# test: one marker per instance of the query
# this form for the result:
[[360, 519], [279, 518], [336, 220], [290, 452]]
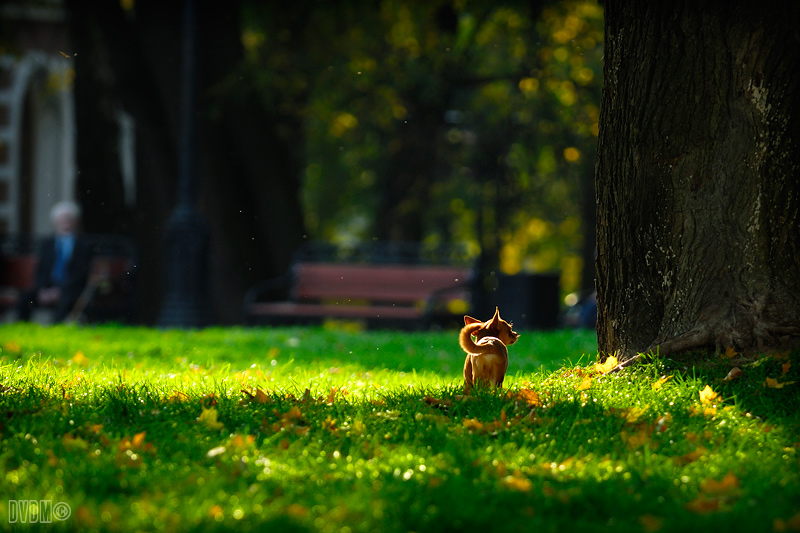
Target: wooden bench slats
[[406, 284], [307, 310], [372, 292]]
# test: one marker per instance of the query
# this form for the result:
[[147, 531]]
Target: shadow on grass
[[767, 388]]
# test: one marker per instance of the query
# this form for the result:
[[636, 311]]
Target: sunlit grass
[[311, 429]]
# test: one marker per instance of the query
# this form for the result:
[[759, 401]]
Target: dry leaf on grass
[[606, 366], [585, 384], [726, 486], [259, 396], [529, 396], [651, 523], [708, 396], [730, 353], [733, 374], [517, 482], [209, 418], [657, 385], [775, 384], [437, 402]]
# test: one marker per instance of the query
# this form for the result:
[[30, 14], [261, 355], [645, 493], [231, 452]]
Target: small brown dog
[[487, 355]]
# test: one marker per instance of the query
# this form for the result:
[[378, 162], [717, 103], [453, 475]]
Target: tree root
[[692, 340], [701, 339]]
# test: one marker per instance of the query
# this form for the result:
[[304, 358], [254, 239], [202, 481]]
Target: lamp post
[[186, 301]]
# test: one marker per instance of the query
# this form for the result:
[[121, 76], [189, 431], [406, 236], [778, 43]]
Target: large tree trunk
[[698, 177]]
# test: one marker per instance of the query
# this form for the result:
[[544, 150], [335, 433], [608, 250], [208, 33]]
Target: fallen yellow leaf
[[707, 396], [657, 384], [330, 424], [437, 402], [73, 443], [209, 418], [517, 482], [790, 524], [12, 347], [472, 423], [178, 396], [261, 396], [358, 426], [585, 384], [240, 441], [727, 485], [781, 356], [530, 396], [607, 365], [630, 414], [691, 456], [651, 523], [80, 359], [704, 411], [703, 504], [293, 413], [637, 439], [785, 367], [730, 353], [775, 384], [297, 511], [138, 439], [334, 392], [52, 460]]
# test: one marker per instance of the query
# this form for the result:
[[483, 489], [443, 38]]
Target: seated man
[[63, 266]]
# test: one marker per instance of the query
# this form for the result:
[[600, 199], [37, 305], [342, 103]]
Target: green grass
[[299, 429]]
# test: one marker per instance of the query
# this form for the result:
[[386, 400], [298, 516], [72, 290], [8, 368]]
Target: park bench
[[381, 284], [110, 292]]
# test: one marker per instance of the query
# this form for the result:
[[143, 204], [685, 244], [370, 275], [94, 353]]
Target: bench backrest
[[18, 271], [401, 284]]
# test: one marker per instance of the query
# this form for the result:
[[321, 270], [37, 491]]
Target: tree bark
[[698, 177]]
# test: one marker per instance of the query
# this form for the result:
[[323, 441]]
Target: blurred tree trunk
[[104, 84], [698, 177], [409, 174], [248, 175]]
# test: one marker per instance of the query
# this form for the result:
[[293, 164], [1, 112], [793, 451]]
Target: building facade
[[37, 116]]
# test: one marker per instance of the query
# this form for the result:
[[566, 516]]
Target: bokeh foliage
[[469, 122]]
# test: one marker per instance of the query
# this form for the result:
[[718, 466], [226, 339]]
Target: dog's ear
[[496, 318], [469, 320]]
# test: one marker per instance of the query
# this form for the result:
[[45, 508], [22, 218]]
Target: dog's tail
[[465, 337]]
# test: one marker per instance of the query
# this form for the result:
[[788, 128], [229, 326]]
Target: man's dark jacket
[[75, 277]]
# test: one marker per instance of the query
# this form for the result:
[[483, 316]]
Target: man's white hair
[[66, 207]]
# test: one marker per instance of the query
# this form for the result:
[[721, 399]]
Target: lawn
[[113, 428]]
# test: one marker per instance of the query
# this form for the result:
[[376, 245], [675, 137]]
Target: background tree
[[453, 122], [697, 177], [128, 57], [469, 123]]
